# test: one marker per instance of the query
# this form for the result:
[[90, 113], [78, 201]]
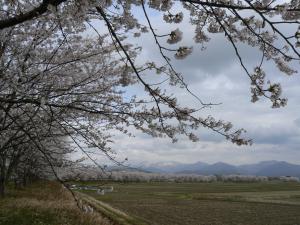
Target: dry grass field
[[270, 203], [44, 203]]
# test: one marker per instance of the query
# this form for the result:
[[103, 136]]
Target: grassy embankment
[[44, 203]]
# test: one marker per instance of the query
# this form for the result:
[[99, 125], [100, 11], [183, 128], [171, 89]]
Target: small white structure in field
[[100, 192], [110, 189]]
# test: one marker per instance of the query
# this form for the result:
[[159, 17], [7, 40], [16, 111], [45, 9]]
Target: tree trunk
[[24, 181], [2, 176], [2, 186]]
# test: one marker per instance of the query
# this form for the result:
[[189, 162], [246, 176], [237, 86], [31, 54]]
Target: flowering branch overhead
[[56, 81]]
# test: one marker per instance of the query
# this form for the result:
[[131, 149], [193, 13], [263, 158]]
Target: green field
[[270, 203]]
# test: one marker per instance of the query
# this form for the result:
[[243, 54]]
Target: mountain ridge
[[263, 168]]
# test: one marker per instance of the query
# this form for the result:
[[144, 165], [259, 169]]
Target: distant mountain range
[[265, 168]]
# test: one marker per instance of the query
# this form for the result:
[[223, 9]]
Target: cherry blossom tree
[[56, 78]]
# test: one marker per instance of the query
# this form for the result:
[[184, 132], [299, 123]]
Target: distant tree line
[[130, 176]]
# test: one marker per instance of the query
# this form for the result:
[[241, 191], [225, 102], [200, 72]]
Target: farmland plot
[[274, 203]]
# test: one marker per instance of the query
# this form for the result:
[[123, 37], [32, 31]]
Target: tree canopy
[[58, 82]]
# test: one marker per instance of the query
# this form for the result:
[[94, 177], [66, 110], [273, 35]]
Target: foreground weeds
[[45, 203]]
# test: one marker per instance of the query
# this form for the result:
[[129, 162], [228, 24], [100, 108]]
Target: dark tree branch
[[237, 7], [23, 17]]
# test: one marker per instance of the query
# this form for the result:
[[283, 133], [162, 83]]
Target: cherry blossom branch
[[23, 17], [238, 7]]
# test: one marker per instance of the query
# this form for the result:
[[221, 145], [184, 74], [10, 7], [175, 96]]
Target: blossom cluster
[[183, 52], [170, 18], [175, 36]]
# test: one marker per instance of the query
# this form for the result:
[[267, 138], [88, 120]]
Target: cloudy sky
[[215, 75]]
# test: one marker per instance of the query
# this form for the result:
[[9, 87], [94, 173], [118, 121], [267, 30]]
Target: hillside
[[265, 168]]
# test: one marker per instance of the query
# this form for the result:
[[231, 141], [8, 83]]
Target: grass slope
[[44, 203]]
